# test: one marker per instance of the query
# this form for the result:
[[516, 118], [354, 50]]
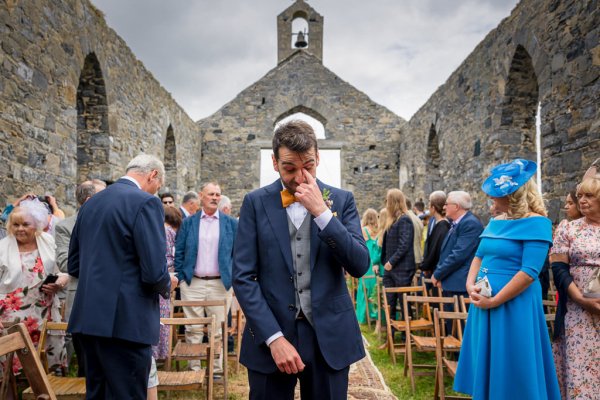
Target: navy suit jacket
[[263, 278], [117, 251], [186, 247], [458, 250]]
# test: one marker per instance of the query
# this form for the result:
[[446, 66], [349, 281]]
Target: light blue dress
[[506, 352]]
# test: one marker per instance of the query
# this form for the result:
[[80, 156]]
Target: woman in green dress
[[370, 228]]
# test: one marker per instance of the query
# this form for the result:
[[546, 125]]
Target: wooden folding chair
[[422, 306], [366, 296], [64, 387], [463, 301], [189, 380], [434, 291], [238, 321], [182, 349], [18, 342], [444, 344], [399, 325]]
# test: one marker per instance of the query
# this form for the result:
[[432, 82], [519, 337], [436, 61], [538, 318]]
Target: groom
[[291, 251]]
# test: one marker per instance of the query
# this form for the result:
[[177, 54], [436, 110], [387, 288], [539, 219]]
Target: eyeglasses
[[168, 202]]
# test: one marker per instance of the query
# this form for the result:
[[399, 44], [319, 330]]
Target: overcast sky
[[398, 52]]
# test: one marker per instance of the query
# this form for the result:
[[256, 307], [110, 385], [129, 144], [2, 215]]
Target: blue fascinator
[[507, 178]]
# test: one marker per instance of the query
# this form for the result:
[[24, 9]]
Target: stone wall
[[366, 133], [76, 103], [546, 51]]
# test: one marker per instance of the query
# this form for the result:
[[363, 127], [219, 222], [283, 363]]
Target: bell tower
[[299, 28]]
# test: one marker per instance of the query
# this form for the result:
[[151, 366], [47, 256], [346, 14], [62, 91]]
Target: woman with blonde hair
[[506, 350], [397, 253], [370, 228], [576, 267]]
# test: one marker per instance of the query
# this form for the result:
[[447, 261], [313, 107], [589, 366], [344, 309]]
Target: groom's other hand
[[286, 357]]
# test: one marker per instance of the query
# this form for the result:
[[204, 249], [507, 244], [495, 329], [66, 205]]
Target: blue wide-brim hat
[[507, 178]]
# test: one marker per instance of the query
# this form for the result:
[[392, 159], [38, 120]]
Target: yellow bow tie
[[287, 198]]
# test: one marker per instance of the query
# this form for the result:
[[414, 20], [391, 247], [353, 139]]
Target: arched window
[[170, 160], [93, 141], [317, 125]]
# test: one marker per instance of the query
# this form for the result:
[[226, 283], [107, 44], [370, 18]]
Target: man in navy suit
[[117, 251], [292, 248], [459, 246], [203, 257]]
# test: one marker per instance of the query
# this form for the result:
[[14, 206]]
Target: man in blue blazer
[[459, 246], [117, 250], [203, 257], [292, 249]]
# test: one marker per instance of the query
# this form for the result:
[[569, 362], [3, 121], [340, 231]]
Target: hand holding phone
[[49, 279]]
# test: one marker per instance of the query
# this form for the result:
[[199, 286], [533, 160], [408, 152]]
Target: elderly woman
[[26, 261], [370, 228], [506, 352], [575, 263]]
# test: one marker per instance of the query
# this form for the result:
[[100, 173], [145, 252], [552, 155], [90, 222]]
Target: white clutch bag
[[484, 285]]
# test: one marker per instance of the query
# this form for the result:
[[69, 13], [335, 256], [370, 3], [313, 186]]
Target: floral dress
[[577, 353], [27, 304], [161, 350]]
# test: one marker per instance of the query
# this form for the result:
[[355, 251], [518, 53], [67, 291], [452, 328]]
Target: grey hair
[[461, 198], [146, 163], [36, 210], [191, 195], [224, 202], [83, 191]]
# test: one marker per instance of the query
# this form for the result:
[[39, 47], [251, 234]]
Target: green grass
[[394, 374]]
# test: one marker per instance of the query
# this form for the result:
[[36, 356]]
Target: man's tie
[[287, 198]]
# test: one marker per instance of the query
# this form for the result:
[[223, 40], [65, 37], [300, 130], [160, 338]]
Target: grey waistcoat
[[300, 242]]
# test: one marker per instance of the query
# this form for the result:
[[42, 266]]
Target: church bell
[[300, 41]]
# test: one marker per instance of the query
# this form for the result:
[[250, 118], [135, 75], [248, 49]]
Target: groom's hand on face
[[309, 195], [286, 357]]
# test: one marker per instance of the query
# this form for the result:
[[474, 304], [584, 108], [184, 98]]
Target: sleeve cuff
[[323, 219], [272, 338]]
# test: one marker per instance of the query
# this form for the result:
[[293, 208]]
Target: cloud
[[206, 52]]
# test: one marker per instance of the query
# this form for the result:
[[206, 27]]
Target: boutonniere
[[327, 200]]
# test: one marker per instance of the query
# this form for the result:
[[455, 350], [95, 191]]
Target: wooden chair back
[[190, 380], [444, 345], [64, 387], [393, 324], [18, 342], [422, 323]]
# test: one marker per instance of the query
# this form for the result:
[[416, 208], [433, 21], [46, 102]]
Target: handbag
[[592, 289]]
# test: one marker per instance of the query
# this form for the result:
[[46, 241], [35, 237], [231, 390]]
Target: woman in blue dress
[[506, 352]]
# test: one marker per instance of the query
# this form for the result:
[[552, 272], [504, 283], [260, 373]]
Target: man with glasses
[[167, 199], [459, 246]]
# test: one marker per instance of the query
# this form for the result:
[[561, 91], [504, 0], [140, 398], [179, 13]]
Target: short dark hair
[[166, 194], [408, 204], [83, 191], [173, 217], [191, 195], [420, 205], [296, 135]]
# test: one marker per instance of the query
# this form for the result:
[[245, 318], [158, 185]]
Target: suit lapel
[[314, 238], [196, 229], [278, 219]]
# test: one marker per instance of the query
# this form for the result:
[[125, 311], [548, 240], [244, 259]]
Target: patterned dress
[[161, 350], [27, 304], [577, 353]]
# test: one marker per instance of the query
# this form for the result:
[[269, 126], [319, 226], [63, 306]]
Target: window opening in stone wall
[[93, 141], [518, 118], [317, 126], [433, 163], [538, 145], [170, 160], [299, 33], [329, 170]]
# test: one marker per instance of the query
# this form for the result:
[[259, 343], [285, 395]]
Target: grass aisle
[[394, 374]]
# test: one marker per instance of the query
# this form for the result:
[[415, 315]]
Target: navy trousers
[[318, 381], [115, 369]]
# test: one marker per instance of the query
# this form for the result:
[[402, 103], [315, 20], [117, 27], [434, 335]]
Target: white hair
[[461, 198], [224, 202], [36, 210], [146, 163]]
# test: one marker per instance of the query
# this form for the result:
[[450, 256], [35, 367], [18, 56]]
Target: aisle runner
[[366, 382]]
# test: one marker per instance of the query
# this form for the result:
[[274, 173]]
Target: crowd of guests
[[506, 350]]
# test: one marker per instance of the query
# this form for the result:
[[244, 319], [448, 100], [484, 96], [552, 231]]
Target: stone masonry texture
[[75, 103]]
